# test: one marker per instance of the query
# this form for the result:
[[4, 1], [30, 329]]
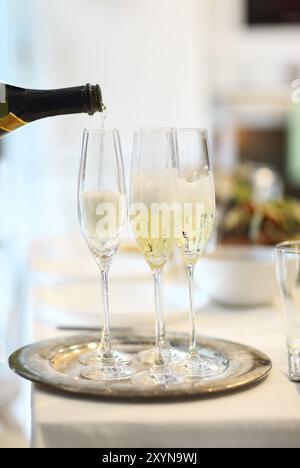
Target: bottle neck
[[31, 105]]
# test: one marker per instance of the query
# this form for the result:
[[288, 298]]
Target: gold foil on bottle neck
[[11, 122]]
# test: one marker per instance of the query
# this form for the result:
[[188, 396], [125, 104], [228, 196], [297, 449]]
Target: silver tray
[[54, 363]]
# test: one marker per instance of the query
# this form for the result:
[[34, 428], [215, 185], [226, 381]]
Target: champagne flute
[[153, 188], [196, 196], [102, 207]]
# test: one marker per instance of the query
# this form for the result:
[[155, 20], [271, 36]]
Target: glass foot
[[199, 365], [95, 358], [105, 373], [164, 376], [161, 375], [169, 354]]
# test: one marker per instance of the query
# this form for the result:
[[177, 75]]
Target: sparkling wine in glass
[[103, 211], [196, 197], [153, 189]]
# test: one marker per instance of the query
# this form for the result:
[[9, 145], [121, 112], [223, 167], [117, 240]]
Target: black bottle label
[[2, 93], [3, 103]]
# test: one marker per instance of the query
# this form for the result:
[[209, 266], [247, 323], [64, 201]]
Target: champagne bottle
[[20, 106]]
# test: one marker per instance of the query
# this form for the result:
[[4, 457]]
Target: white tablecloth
[[267, 415]]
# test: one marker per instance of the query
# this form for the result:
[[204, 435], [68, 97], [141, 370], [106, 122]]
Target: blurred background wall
[[159, 62], [200, 63], [150, 57]]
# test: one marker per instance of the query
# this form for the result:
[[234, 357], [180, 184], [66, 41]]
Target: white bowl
[[238, 275]]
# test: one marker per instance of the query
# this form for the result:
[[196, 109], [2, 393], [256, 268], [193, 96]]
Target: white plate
[[239, 276], [131, 303]]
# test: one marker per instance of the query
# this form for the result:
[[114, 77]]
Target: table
[[267, 415]]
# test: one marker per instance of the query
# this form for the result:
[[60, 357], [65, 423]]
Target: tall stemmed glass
[[103, 216], [153, 189], [196, 196]]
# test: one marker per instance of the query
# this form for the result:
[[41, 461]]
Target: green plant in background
[[293, 160]]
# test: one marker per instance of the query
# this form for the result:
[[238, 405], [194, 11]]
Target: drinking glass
[[153, 188], [196, 196], [103, 213], [288, 275]]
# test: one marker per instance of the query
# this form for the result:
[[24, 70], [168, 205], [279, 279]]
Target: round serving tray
[[54, 363]]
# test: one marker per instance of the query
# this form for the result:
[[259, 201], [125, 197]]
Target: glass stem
[[105, 344], [193, 339], [163, 335], [158, 360]]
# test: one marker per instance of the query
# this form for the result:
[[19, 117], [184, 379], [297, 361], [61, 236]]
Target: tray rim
[[264, 367]]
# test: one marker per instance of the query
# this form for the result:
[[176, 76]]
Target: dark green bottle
[[20, 106]]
